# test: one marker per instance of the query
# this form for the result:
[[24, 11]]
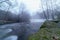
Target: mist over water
[[37, 20], [25, 25]]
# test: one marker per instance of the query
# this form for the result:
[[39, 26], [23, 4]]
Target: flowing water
[[31, 28]]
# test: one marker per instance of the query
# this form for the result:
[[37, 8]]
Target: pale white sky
[[35, 5], [31, 5]]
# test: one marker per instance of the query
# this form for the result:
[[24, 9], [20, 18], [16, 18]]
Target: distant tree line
[[9, 16]]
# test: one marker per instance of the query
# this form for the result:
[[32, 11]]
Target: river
[[31, 28]]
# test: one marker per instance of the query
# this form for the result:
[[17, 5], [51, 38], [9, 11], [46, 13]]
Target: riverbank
[[50, 30]]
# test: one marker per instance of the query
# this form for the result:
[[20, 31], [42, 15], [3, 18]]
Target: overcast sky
[[33, 5]]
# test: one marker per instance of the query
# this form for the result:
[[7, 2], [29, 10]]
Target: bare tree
[[45, 13], [23, 14]]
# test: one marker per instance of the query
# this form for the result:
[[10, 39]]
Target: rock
[[46, 32], [49, 24]]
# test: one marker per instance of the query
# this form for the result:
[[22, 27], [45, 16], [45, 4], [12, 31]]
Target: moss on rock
[[47, 31], [49, 24]]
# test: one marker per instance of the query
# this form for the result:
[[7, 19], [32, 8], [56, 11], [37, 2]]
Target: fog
[[25, 17]]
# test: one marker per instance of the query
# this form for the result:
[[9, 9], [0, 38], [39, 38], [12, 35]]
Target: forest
[[29, 19]]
